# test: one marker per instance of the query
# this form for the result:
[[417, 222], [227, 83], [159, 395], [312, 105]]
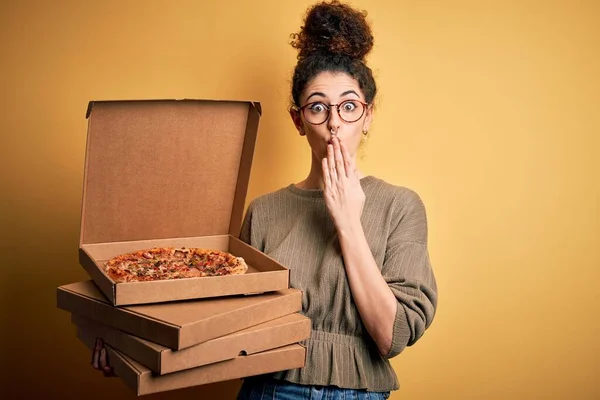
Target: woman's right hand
[[100, 359]]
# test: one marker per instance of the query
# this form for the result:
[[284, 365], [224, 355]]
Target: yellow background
[[488, 109]]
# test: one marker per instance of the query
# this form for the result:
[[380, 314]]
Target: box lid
[[142, 381], [182, 324], [158, 169], [279, 332]]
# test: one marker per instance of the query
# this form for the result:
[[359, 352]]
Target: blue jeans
[[272, 389]]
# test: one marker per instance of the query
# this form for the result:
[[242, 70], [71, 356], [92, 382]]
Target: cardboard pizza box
[[170, 173], [178, 325], [161, 360], [142, 381]]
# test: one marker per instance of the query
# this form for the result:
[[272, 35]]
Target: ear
[[368, 117], [297, 119]]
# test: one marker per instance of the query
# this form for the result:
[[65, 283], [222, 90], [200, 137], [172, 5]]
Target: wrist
[[350, 228]]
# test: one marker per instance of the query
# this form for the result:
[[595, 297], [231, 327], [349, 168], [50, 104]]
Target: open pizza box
[[142, 381], [170, 173], [161, 360], [181, 324]]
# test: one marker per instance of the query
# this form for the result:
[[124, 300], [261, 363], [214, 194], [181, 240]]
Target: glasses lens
[[351, 111], [316, 113]]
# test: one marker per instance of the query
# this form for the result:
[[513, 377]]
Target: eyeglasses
[[317, 112]]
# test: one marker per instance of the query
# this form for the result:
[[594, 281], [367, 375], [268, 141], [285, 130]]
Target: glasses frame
[[329, 107]]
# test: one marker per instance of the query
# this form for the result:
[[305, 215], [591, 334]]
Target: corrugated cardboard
[[141, 380], [178, 325], [162, 360], [170, 173], [264, 274]]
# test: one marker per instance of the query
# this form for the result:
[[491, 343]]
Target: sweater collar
[[318, 193]]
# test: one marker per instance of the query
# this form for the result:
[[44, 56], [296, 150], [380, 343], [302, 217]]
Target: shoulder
[[401, 198], [406, 211], [268, 200], [260, 213]]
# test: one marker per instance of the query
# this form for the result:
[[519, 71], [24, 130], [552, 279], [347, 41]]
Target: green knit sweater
[[293, 226]]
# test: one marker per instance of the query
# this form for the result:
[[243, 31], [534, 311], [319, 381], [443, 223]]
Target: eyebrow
[[347, 92], [316, 94]]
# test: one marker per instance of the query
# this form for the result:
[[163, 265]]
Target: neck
[[314, 180]]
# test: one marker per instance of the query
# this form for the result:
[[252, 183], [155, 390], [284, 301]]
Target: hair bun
[[334, 28]]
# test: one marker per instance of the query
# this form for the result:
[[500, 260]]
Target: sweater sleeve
[[246, 229], [250, 231], [408, 272]]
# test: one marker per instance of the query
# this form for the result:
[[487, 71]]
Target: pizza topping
[[173, 263], [179, 254]]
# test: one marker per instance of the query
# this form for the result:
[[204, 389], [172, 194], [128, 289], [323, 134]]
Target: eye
[[349, 106], [317, 108]]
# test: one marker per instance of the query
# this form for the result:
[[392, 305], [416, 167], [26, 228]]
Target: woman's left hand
[[342, 190]]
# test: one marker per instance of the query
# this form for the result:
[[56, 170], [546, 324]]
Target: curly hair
[[334, 38]]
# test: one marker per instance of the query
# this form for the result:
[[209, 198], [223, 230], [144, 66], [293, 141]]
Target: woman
[[356, 246]]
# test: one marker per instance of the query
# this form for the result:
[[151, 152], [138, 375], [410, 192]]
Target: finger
[[348, 162], [103, 359], [331, 163], [96, 354], [326, 177], [96, 359], [339, 158], [107, 370]]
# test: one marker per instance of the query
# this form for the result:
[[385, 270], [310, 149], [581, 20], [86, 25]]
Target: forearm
[[375, 301]]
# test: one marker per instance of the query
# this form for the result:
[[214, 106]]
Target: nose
[[334, 122]]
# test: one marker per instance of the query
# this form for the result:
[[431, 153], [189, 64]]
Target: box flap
[[158, 169]]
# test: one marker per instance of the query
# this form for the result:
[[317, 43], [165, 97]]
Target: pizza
[[160, 263]]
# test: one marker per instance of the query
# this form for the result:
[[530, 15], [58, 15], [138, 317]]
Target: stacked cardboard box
[[174, 173]]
